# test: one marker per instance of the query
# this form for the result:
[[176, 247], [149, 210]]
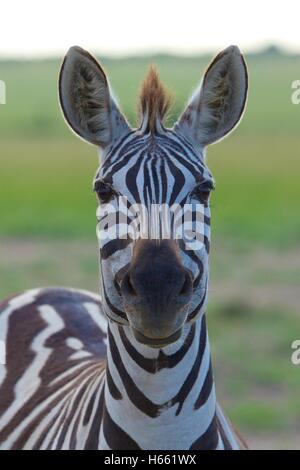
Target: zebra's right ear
[[86, 101]]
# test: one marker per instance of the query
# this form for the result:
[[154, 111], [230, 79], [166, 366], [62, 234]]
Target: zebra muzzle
[[156, 290]]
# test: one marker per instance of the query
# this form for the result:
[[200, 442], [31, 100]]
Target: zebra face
[[154, 280], [153, 188]]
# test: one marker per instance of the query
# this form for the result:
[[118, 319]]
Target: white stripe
[[30, 381], [97, 315], [229, 434], [15, 303]]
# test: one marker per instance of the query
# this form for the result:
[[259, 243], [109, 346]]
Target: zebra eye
[[202, 193], [104, 191]]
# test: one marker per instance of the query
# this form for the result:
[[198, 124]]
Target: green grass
[[46, 188], [252, 356], [258, 192]]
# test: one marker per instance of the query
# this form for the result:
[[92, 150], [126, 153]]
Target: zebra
[[130, 368]]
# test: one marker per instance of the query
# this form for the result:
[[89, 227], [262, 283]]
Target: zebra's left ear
[[86, 100], [218, 105]]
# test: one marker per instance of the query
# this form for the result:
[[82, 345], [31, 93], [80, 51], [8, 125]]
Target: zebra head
[[154, 278]]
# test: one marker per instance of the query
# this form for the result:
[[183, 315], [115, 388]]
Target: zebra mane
[[155, 101]]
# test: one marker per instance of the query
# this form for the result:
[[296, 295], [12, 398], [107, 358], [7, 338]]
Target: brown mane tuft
[[155, 100]]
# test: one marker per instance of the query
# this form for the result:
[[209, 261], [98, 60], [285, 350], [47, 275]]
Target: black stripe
[[209, 440], [92, 441], [113, 309], [118, 162], [186, 144], [113, 389], [196, 310], [135, 395], [206, 389], [179, 181], [115, 149], [114, 245], [131, 176], [226, 443], [194, 372], [116, 438]]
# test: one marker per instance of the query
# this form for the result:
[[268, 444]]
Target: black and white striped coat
[[61, 390]]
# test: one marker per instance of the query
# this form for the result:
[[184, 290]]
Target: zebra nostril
[[127, 286], [187, 285], [117, 287]]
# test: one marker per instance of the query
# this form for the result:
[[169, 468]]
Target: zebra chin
[[155, 327], [157, 342]]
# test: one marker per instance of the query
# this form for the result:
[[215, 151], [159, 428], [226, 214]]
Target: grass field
[[47, 223]]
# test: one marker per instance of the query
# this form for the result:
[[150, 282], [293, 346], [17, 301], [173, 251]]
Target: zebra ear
[[217, 106], [86, 101]]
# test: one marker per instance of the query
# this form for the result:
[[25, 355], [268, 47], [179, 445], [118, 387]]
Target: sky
[[123, 27]]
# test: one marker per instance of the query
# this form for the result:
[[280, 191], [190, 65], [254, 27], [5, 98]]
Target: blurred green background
[[47, 221]]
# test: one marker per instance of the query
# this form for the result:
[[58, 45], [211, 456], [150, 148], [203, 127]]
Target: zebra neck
[[164, 398]]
